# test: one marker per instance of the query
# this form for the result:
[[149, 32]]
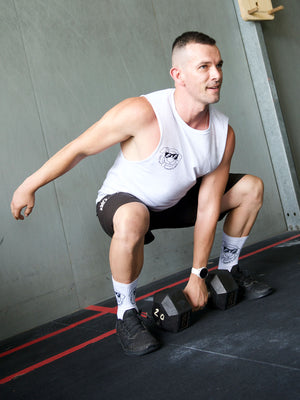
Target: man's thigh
[[184, 213], [107, 207]]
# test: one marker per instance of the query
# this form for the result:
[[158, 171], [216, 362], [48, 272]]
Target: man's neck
[[194, 115]]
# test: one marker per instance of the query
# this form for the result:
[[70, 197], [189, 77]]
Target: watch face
[[203, 273]]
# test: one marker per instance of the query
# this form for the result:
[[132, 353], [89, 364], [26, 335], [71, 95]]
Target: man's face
[[202, 73]]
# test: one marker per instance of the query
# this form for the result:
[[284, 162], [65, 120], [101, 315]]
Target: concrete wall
[[283, 44], [63, 64]]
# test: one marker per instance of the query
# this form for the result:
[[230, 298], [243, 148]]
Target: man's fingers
[[14, 212], [28, 211], [22, 201], [17, 211], [17, 214]]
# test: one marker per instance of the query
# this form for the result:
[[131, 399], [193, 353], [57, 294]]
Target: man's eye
[[203, 67]]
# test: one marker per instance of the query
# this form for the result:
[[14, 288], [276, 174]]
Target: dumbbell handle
[[229, 297], [187, 298]]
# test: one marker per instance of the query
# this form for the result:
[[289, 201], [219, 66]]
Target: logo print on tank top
[[169, 158]]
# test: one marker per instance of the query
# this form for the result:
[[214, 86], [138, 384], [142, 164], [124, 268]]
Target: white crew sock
[[230, 251], [125, 295]]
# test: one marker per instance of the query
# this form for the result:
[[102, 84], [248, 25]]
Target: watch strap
[[200, 272]]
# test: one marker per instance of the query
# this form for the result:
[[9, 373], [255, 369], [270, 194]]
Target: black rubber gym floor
[[250, 351]]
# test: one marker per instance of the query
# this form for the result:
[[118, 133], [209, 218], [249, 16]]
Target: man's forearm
[[59, 164], [204, 233]]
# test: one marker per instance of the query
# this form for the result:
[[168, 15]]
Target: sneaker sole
[[249, 296], [150, 349]]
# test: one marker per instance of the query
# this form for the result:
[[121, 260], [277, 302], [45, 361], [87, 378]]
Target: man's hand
[[22, 198], [196, 292]]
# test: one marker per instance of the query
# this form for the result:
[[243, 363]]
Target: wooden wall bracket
[[260, 10]]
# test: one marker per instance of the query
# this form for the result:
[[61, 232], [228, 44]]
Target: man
[[172, 171]]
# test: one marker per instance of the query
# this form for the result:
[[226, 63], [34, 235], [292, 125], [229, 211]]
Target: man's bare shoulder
[[136, 108], [130, 115]]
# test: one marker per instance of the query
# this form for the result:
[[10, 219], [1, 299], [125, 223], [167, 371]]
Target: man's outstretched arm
[[120, 124]]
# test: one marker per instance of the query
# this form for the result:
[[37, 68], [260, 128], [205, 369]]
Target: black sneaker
[[250, 288], [134, 336]]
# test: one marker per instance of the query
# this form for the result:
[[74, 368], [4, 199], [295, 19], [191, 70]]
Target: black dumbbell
[[172, 311]]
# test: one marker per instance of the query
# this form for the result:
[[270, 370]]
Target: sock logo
[[120, 298], [132, 296], [229, 253]]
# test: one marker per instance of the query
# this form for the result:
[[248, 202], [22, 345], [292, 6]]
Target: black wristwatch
[[201, 272]]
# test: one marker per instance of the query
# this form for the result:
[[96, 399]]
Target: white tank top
[[182, 155]]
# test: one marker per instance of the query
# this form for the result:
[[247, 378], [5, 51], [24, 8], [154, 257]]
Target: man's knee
[[253, 190], [131, 222]]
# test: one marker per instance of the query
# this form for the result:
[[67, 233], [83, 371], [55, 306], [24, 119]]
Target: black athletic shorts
[[182, 215]]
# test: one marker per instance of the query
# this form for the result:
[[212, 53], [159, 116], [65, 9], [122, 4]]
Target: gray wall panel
[[66, 63], [35, 264], [283, 44]]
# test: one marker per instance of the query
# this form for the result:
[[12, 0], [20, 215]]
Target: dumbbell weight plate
[[171, 310], [223, 289]]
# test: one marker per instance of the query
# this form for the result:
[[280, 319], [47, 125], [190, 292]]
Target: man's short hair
[[192, 37]]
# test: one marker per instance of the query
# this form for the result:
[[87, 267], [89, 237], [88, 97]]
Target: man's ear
[[177, 75]]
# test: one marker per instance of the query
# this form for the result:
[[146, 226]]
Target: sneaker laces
[[244, 277], [135, 324]]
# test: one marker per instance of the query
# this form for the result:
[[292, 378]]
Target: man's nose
[[216, 73]]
